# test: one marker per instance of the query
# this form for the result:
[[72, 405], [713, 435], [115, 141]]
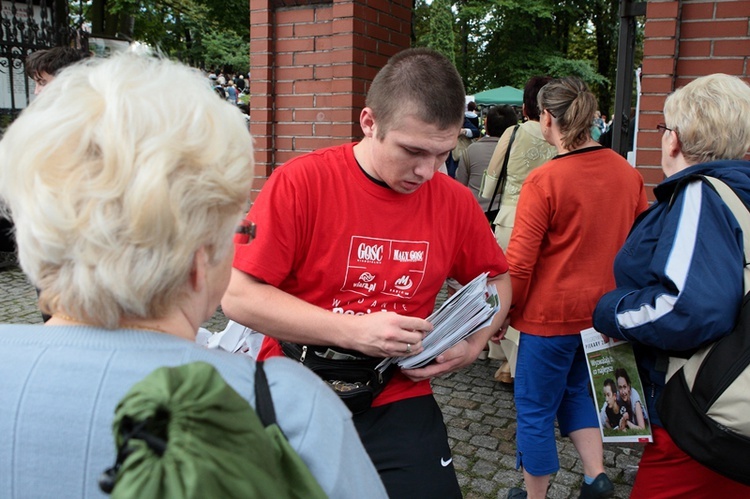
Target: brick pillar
[[261, 87], [659, 61], [311, 64], [684, 40]]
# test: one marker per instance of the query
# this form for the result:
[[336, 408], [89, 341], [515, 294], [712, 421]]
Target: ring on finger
[[408, 348]]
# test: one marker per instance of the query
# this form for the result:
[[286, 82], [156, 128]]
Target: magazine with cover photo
[[617, 388], [470, 309]]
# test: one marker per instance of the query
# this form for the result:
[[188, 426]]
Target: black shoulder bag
[[490, 213]]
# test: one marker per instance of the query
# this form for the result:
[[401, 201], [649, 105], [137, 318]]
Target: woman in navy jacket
[[680, 273]]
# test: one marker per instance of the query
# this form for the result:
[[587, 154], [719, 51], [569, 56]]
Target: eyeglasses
[[662, 127], [550, 113]]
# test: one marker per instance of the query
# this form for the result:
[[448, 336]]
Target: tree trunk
[[604, 19], [97, 17]]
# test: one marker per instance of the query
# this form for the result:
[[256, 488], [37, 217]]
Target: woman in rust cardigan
[[573, 215]]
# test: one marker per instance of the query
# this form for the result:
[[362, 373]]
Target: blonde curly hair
[[711, 116], [115, 179]]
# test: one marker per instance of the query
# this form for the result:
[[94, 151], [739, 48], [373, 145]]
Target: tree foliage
[[207, 33], [440, 35], [504, 42]]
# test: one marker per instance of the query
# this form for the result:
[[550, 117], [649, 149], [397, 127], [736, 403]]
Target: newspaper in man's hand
[[463, 314]]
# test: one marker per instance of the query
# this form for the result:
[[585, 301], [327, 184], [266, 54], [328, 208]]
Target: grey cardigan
[[60, 386]]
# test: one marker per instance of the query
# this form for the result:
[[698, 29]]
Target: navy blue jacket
[[679, 274]]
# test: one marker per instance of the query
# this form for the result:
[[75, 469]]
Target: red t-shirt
[[334, 238]]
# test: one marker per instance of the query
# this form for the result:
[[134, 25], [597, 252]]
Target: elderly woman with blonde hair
[[125, 200], [680, 273]]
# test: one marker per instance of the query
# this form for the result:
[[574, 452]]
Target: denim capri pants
[[552, 380]]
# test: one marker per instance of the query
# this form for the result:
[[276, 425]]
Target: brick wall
[[311, 65], [684, 40]]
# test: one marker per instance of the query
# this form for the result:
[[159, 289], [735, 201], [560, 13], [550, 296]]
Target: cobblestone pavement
[[479, 412]]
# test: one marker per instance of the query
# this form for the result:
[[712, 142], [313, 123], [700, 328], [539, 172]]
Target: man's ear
[[198, 269], [367, 122]]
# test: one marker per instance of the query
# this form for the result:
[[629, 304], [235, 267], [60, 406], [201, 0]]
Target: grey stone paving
[[479, 413]]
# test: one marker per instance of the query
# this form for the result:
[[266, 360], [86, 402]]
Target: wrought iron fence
[[26, 26]]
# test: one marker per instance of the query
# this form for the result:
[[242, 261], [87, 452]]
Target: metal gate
[[26, 26]]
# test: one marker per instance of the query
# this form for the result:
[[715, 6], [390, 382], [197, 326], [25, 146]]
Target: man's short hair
[[51, 61], [611, 384], [419, 82], [710, 116], [499, 118]]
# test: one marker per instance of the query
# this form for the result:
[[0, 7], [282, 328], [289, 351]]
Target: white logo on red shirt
[[408, 256], [403, 283], [366, 277], [370, 253], [385, 267]]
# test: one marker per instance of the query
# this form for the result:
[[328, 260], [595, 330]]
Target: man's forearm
[[278, 314]]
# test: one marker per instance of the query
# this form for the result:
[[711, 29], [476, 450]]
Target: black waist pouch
[[352, 375]]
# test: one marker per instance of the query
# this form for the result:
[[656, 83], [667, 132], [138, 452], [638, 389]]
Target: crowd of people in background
[[231, 87], [477, 116]]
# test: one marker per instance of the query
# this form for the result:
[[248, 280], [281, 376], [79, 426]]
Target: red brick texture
[[311, 67], [684, 40]]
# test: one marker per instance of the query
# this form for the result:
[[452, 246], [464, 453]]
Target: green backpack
[[183, 432]]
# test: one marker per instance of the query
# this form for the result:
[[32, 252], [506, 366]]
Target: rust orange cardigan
[[574, 214]]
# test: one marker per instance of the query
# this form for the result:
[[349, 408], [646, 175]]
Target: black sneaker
[[601, 487], [517, 493]]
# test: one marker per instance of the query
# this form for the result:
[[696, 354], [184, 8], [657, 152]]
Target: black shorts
[[408, 443]]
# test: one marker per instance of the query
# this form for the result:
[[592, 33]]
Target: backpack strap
[[467, 162], [673, 362], [504, 171], [741, 213], [263, 401], [298, 479]]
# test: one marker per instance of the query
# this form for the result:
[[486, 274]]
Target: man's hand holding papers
[[469, 310]]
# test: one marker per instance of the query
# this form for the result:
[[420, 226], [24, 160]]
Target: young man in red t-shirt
[[353, 244]]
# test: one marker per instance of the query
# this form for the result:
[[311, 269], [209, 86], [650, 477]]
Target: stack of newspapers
[[463, 314]]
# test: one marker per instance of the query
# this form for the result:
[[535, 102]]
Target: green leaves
[[504, 42], [225, 48], [204, 33], [440, 35]]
